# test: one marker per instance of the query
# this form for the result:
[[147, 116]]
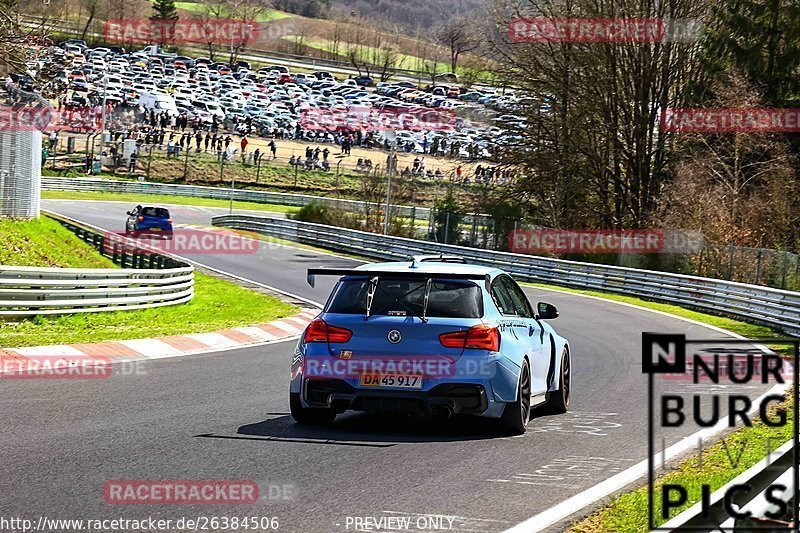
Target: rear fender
[[559, 344], [505, 380]]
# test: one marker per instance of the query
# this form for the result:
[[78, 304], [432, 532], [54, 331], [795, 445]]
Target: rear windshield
[[405, 297], [159, 212]]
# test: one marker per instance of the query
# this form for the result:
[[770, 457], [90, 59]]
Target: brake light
[[321, 331], [481, 337], [141, 219], [169, 221]]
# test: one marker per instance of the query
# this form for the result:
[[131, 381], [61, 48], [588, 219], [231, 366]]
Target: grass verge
[[721, 462], [217, 304], [165, 199]]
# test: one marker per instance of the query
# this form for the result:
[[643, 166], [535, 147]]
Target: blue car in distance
[[149, 222], [429, 336]]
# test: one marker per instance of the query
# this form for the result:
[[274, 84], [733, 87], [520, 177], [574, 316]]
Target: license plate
[[155, 229], [401, 381]]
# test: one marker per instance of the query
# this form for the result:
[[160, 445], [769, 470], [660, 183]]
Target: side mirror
[[546, 311]]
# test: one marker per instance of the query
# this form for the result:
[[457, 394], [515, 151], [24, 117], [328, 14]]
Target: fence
[[761, 305], [197, 191], [146, 280]]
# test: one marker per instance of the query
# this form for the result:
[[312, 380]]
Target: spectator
[[274, 149], [132, 163], [244, 143]]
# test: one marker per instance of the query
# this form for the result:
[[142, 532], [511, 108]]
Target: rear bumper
[[446, 398], [151, 233]]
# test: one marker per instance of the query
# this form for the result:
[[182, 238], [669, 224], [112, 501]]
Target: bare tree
[[246, 12], [737, 186], [458, 35], [91, 8], [16, 37], [212, 14], [590, 146]]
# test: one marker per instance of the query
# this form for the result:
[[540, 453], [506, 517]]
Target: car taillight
[[169, 221], [481, 337], [321, 331], [141, 219]]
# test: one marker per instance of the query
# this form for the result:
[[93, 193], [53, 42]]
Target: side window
[[521, 305], [501, 298]]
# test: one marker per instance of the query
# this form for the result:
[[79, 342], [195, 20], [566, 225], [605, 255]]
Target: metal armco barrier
[[750, 303], [198, 191], [153, 280]]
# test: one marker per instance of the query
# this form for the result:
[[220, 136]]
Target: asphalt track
[[225, 416]]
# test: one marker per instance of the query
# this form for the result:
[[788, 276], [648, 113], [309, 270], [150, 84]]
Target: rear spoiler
[[410, 274]]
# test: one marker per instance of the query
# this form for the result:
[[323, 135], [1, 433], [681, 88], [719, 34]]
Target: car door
[[538, 354], [515, 328]]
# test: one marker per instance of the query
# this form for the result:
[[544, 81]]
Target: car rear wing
[[404, 274]]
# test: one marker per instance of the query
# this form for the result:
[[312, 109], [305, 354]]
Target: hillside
[[414, 16]]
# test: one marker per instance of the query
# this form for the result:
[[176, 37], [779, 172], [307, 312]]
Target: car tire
[[306, 415], [517, 413], [558, 401]]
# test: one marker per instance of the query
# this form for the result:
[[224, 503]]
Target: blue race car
[[433, 336], [149, 222]]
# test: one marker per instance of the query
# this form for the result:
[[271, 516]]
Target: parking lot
[[166, 100]]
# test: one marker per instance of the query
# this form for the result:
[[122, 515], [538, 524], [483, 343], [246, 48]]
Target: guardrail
[[776, 308], [220, 193], [152, 280]]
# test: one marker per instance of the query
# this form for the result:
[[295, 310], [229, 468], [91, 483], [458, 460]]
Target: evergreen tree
[[164, 10], [760, 38]]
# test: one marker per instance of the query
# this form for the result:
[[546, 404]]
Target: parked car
[[364, 81], [158, 102]]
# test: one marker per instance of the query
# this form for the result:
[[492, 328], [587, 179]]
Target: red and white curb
[[164, 347]]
